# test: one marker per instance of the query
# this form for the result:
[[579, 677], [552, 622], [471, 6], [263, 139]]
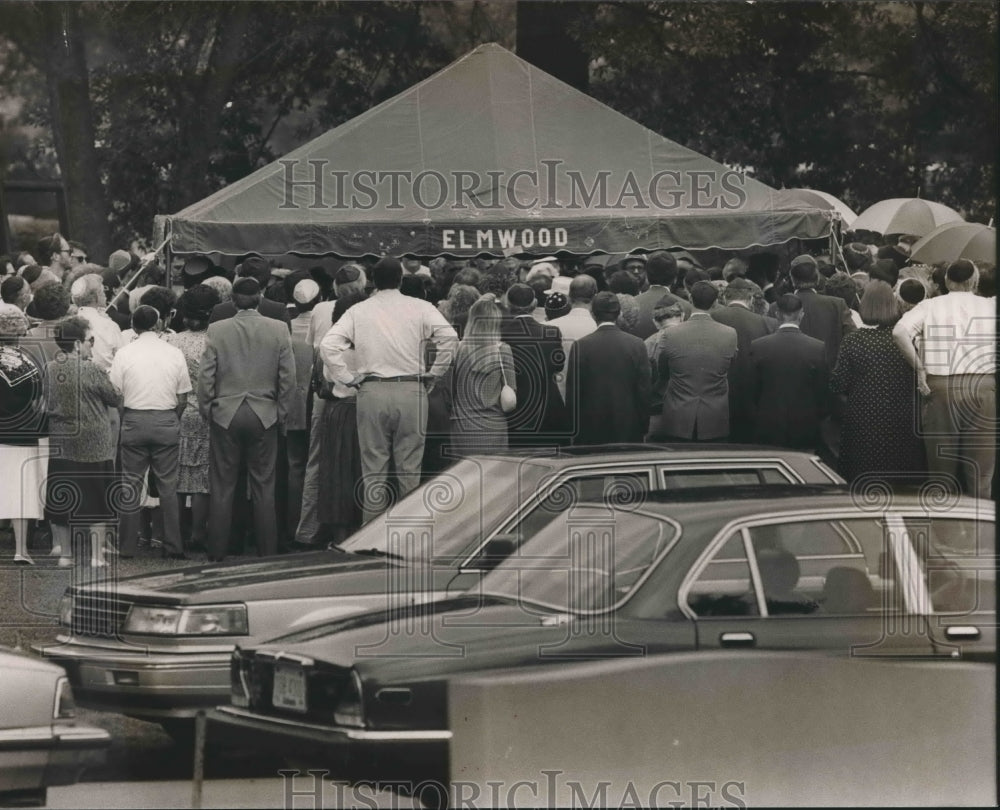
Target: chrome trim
[[745, 524], [737, 465], [75, 735], [26, 734], [831, 474], [755, 577], [361, 735], [962, 631], [136, 661], [61, 681]]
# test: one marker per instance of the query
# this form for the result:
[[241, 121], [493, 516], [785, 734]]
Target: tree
[[51, 37]]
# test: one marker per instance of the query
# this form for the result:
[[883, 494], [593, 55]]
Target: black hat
[[960, 271], [521, 296]]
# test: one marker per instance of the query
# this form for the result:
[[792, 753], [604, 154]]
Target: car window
[[587, 560], [958, 560], [610, 487], [724, 587], [805, 567], [682, 479]]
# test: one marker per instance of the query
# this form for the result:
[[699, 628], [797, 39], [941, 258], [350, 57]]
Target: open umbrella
[[820, 199], [957, 240], [909, 215]]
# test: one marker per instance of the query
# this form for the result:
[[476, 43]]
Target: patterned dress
[[192, 474], [879, 435]]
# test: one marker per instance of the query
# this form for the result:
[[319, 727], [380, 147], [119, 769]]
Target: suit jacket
[[647, 302], [608, 387], [266, 307], [540, 415], [247, 357], [790, 384], [694, 360], [749, 326], [825, 318]]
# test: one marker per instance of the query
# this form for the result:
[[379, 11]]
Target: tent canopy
[[490, 155]]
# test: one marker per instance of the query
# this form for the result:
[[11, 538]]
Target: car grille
[[99, 614], [324, 686]]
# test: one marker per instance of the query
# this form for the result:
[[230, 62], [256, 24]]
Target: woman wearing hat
[[192, 473], [23, 431]]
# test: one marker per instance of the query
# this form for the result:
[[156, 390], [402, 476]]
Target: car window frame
[[775, 464], [550, 483], [903, 552]]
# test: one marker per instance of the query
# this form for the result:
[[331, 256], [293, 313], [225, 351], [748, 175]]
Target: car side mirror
[[495, 552]]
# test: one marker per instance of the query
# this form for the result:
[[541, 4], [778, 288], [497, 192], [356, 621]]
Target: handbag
[[508, 397]]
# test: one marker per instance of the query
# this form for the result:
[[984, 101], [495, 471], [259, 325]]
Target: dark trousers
[[149, 441], [245, 438]]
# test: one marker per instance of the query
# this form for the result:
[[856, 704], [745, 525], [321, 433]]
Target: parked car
[[782, 568], [157, 646], [41, 744]]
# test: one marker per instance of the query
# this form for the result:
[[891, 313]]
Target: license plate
[[289, 688]]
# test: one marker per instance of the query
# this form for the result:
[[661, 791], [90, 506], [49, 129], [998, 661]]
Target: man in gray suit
[[694, 360], [245, 386]]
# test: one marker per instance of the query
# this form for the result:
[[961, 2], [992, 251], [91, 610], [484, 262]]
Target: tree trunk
[[543, 39], [73, 127], [200, 132]]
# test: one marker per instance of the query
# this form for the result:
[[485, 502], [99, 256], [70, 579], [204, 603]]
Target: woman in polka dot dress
[[880, 434]]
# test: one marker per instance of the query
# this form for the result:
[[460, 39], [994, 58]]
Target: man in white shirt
[[956, 368], [87, 293], [388, 333], [577, 323], [153, 379]]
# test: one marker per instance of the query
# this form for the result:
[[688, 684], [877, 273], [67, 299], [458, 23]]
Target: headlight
[[66, 610], [65, 707], [350, 709], [207, 620]]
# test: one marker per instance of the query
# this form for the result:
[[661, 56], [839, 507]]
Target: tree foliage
[[862, 100]]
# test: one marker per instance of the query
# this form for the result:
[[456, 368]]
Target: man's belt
[[401, 378]]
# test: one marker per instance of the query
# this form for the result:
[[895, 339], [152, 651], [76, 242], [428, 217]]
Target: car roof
[[625, 451], [731, 502]]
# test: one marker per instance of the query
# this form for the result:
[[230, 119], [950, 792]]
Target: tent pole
[[142, 267]]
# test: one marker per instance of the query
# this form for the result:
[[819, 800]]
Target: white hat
[[542, 269], [560, 284], [305, 291]]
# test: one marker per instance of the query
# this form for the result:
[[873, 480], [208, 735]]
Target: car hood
[[14, 660], [458, 635], [323, 573]]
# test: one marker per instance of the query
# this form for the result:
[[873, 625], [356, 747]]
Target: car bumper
[[151, 685], [45, 756], [353, 750]]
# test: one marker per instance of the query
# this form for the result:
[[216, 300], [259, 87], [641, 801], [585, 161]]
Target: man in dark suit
[[824, 317], [661, 272], [749, 326], [257, 268], [694, 360], [245, 387], [790, 381], [540, 415], [608, 384]]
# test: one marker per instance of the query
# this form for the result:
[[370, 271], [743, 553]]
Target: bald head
[[582, 290]]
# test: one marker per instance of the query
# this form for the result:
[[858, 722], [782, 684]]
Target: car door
[[956, 557], [813, 582]]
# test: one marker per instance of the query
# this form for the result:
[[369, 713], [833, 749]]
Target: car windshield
[[444, 518], [590, 558]]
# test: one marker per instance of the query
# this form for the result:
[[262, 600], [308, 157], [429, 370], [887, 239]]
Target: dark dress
[[879, 432]]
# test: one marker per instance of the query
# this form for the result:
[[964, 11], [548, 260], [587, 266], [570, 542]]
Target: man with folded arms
[[388, 333]]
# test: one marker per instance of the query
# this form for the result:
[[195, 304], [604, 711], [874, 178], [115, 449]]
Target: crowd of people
[[314, 398]]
